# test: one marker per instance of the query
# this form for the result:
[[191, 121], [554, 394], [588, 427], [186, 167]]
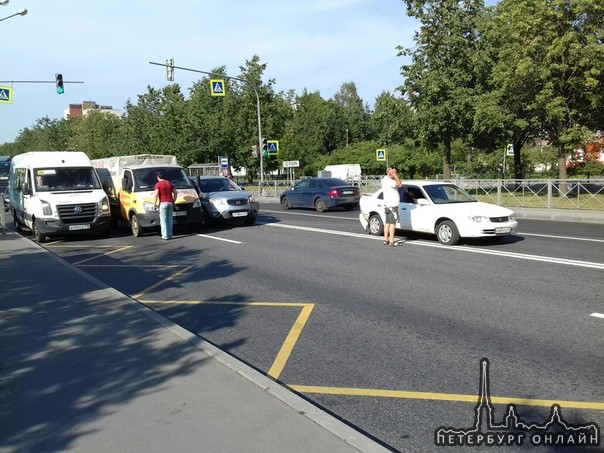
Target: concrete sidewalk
[[84, 368]]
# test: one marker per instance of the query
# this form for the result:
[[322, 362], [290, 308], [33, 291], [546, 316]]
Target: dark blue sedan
[[321, 194]]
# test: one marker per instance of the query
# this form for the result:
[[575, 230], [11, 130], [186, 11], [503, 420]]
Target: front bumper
[[183, 215], [489, 229], [54, 226]]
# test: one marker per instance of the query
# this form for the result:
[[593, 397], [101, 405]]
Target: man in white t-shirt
[[390, 186]]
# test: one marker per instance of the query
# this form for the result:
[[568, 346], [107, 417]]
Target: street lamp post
[[21, 12], [257, 109]]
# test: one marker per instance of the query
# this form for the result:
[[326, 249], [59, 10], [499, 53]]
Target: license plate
[[239, 214], [503, 230], [347, 192], [177, 213], [78, 227]]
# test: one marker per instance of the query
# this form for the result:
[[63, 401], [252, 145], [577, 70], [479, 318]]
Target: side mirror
[[422, 202]]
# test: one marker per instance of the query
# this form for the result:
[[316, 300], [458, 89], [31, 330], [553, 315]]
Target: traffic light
[[255, 150], [264, 151], [59, 83], [170, 69]]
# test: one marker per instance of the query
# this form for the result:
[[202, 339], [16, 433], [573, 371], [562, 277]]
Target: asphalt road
[[390, 339]]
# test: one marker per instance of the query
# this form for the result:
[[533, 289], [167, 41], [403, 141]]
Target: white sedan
[[439, 208]]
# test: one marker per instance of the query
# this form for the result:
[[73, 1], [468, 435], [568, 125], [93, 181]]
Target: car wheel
[[447, 233], [375, 225], [285, 203], [38, 235], [137, 230], [320, 205]]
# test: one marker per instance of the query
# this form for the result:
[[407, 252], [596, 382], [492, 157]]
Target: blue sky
[[312, 44]]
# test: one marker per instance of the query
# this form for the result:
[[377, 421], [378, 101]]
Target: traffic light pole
[[213, 74]]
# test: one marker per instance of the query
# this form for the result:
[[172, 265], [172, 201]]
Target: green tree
[[442, 81], [350, 123], [392, 120], [550, 68], [97, 134], [155, 124]]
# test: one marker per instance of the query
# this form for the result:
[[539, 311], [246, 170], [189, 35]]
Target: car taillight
[[333, 193]]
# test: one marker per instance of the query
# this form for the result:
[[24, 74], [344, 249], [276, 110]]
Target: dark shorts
[[391, 215]]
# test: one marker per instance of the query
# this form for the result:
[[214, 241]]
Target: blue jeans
[[166, 209]]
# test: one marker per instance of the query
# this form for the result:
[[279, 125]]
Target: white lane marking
[[519, 233], [524, 256], [597, 315], [219, 239], [551, 236]]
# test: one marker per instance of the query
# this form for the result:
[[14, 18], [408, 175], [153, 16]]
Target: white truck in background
[[130, 183], [56, 193], [346, 172]]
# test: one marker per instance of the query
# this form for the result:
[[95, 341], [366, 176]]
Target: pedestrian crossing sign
[[6, 95], [217, 87], [272, 146], [380, 154]]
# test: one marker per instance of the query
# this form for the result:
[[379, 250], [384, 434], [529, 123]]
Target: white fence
[[534, 193]]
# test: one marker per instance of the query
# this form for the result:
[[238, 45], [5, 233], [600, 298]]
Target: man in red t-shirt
[[165, 195]]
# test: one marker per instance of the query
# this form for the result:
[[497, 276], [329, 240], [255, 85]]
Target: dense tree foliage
[[525, 72]]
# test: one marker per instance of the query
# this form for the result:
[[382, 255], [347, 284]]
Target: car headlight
[[479, 218], [105, 205], [252, 199], [46, 208], [148, 206], [197, 203], [218, 202], [512, 216]]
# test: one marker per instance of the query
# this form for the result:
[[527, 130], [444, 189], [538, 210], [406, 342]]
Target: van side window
[[19, 179], [29, 181], [127, 182]]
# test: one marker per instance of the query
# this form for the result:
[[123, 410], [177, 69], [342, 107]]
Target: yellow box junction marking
[[161, 282], [348, 391], [290, 341], [294, 334]]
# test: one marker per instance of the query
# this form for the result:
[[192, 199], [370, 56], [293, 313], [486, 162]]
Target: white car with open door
[[439, 208]]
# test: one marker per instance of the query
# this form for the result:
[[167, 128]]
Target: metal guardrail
[[582, 194]]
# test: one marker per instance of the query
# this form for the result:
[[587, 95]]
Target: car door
[[310, 193], [296, 194], [410, 212]]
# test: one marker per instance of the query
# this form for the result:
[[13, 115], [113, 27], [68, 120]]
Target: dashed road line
[[219, 238], [597, 315]]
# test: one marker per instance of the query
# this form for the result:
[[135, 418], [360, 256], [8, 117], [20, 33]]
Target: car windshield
[[65, 178], [217, 185], [146, 178], [447, 193]]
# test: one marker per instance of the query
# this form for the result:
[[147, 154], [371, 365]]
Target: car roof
[[211, 177]]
